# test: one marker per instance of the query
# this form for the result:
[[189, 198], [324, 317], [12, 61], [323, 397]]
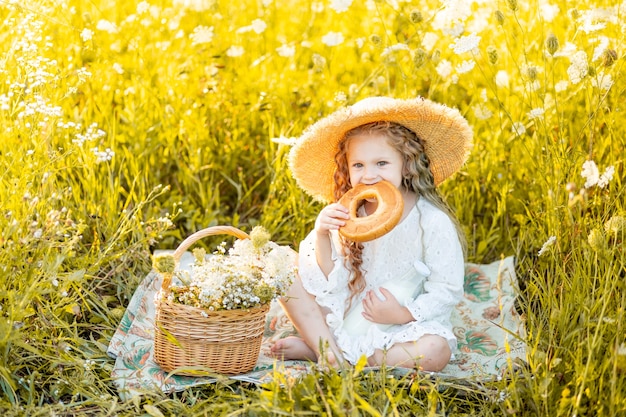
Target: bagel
[[387, 215]]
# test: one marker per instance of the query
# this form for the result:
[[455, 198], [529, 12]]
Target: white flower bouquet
[[251, 273], [214, 318]]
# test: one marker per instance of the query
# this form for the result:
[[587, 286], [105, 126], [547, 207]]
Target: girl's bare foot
[[292, 348], [330, 360]]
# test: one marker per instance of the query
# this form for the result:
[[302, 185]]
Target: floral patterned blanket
[[489, 330]]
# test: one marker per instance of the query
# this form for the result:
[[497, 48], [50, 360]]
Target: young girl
[[389, 299]]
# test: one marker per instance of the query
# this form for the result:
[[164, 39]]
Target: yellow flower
[[259, 237], [164, 264], [596, 240], [615, 226], [199, 255], [552, 43]]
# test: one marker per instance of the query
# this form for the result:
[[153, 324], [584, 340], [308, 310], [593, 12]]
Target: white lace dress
[[420, 261]]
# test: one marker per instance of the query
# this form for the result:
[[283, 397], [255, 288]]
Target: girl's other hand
[[387, 311], [332, 217]]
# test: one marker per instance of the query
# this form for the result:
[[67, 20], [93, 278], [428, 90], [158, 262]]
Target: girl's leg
[[292, 348], [308, 318], [430, 353]]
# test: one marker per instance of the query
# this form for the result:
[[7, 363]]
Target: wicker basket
[[225, 342]]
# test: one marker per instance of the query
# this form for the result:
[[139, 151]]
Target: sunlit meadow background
[[126, 126]]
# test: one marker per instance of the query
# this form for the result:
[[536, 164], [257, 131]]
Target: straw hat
[[446, 135]]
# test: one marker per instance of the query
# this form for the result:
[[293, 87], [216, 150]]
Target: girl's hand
[[388, 311], [332, 217]]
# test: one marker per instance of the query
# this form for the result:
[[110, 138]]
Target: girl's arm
[[323, 252], [332, 217]]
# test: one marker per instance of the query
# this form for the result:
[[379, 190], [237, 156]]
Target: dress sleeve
[[313, 279], [443, 257]]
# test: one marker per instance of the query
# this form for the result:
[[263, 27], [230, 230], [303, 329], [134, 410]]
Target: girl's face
[[371, 159]]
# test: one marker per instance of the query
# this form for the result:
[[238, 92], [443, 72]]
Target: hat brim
[[446, 135]]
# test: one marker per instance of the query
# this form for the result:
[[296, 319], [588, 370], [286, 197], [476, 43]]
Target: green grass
[[190, 127]]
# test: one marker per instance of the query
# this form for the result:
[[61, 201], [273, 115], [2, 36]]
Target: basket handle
[[185, 244], [209, 231]]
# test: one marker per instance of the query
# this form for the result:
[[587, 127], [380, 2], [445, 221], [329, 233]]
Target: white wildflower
[[283, 140], [444, 68], [340, 6], [593, 20], [606, 177], [551, 240], [258, 26], [333, 38], [393, 48], [201, 35], [4, 102], [83, 74], [117, 46], [118, 68], [429, 40], [536, 113], [502, 396], [502, 79], [106, 26], [89, 364], [578, 68], [244, 29], [452, 11], [518, 128], [602, 81], [533, 85], [465, 44], [86, 35], [317, 7], [591, 174], [455, 30], [465, 66], [340, 97], [235, 51], [286, 51], [566, 51], [143, 7], [482, 112], [165, 222], [549, 11], [561, 86], [194, 5], [603, 44], [103, 156]]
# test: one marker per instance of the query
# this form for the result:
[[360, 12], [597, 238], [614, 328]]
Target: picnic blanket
[[489, 330]]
